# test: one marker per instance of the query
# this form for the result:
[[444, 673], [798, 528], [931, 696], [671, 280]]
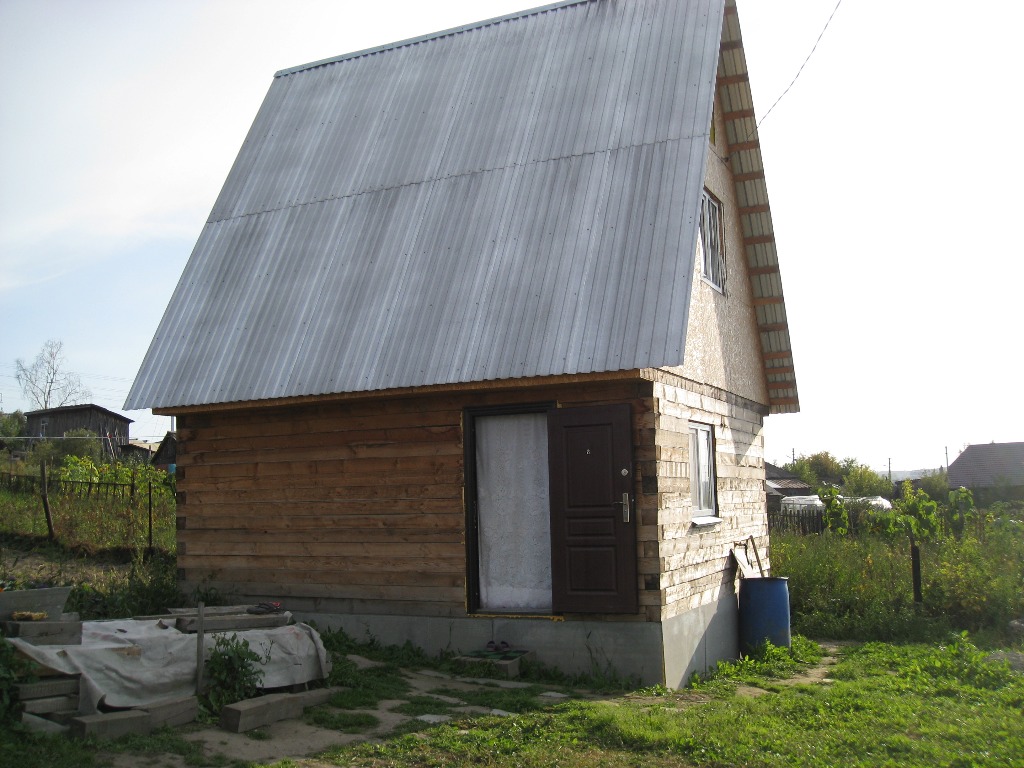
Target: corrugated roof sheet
[[515, 198], [988, 465]]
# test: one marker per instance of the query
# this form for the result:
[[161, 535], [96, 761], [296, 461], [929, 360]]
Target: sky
[[892, 186]]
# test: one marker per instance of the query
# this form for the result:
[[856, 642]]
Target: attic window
[[710, 243]]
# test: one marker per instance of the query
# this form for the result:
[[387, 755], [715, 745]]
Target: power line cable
[[798, 72]]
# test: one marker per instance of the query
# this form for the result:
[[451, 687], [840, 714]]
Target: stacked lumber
[[50, 703]]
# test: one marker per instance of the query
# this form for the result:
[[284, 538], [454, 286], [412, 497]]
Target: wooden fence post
[[149, 549], [46, 502], [200, 656]]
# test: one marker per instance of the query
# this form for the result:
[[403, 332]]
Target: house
[[166, 455], [56, 422], [993, 471], [780, 483], [478, 341]]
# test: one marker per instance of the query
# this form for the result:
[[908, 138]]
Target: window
[[702, 470], [710, 243]]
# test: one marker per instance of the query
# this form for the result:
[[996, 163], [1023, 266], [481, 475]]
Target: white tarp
[[129, 663]]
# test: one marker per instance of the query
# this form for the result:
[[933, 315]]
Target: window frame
[[707, 431], [712, 258]]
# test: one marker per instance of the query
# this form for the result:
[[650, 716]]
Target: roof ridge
[[431, 36]]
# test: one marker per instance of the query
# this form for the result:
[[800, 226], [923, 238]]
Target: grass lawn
[[880, 705]]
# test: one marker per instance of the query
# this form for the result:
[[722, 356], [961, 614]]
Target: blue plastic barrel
[[764, 612]]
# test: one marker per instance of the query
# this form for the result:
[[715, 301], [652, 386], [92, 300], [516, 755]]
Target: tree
[[864, 481], [818, 469], [12, 424], [46, 382]]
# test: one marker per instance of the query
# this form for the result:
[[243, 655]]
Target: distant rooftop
[[987, 465]]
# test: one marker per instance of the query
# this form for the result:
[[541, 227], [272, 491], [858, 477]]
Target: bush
[[231, 673]]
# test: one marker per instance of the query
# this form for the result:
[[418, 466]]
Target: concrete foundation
[[696, 640], [648, 652]]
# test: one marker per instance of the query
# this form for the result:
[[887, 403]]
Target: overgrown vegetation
[[114, 586], [848, 476], [860, 586], [232, 673], [94, 505]]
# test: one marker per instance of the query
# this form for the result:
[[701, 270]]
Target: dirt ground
[[301, 742]]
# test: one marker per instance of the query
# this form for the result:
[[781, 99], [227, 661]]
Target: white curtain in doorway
[[514, 512]]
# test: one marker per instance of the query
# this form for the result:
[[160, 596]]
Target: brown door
[[593, 534]]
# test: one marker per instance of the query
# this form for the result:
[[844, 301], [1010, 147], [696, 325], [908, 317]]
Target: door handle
[[625, 507]]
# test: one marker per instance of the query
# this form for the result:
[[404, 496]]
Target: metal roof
[[509, 199], [988, 465]]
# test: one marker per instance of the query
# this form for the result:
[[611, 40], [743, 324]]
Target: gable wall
[[723, 347]]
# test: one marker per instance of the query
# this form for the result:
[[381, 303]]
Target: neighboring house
[[993, 471], [56, 422], [166, 455], [138, 450], [780, 483], [478, 341]]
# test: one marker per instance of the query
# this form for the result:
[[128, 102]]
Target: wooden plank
[[246, 519], [111, 725], [49, 601], [254, 713], [55, 687], [198, 536], [309, 584], [38, 724], [271, 548], [190, 624], [45, 632], [343, 436], [172, 712], [52, 704], [270, 452]]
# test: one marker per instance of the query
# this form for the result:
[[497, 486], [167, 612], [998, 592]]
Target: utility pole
[[890, 469], [947, 457]]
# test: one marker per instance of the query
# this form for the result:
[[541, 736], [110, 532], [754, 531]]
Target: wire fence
[[90, 515]]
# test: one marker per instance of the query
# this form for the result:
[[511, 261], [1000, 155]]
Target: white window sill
[[705, 521]]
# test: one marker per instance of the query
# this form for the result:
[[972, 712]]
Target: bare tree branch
[[46, 383]]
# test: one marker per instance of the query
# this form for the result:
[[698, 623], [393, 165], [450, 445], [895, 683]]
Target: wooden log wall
[[683, 565], [349, 507]]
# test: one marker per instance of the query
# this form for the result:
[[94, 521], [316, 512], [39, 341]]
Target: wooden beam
[[768, 300], [745, 146], [741, 178], [784, 401], [768, 270], [733, 79], [760, 208], [738, 114], [774, 327], [759, 239]]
